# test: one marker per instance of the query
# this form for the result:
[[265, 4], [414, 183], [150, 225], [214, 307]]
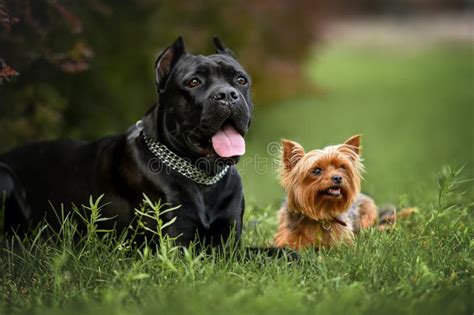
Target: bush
[[86, 67]]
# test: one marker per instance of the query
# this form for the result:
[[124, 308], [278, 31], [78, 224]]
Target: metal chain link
[[181, 165]]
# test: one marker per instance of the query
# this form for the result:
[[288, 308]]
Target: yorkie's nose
[[336, 179]]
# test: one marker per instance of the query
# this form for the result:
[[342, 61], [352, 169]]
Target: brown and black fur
[[324, 206]]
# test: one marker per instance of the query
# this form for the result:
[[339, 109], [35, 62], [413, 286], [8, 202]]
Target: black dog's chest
[[206, 212], [204, 205]]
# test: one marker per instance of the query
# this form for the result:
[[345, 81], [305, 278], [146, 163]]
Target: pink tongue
[[228, 142]]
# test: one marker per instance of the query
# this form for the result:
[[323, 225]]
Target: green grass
[[414, 109], [423, 266]]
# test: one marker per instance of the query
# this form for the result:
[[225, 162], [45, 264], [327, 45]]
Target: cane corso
[[182, 152]]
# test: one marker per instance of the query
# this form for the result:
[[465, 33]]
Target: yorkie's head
[[321, 183]]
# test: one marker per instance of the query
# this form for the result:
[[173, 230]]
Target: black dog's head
[[204, 102]]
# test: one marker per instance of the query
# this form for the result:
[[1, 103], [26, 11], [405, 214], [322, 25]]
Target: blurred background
[[399, 72]]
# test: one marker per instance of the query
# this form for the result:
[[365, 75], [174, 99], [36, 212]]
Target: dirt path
[[412, 31]]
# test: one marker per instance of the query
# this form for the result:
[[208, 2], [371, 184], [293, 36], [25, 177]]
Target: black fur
[[13, 196], [68, 172]]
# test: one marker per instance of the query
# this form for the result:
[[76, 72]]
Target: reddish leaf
[[6, 72]]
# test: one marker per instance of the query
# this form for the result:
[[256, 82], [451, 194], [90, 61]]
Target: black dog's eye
[[241, 80], [194, 82], [317, 171]]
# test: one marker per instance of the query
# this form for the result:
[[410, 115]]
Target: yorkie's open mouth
[[334, 191]]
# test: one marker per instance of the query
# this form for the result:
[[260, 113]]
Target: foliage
[[86, 67]]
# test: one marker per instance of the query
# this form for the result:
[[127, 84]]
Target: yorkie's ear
[[354, 144], [292, 153]]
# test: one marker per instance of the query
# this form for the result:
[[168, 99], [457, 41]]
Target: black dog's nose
[[226, 94], [336, 179]]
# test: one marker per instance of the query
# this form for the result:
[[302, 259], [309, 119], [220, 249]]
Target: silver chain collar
[[177, 163]]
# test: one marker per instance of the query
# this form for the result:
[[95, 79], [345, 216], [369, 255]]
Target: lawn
[[414, 108]]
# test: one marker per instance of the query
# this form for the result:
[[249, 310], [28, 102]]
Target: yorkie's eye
[[317, 171], [194, 82], [342, 167]]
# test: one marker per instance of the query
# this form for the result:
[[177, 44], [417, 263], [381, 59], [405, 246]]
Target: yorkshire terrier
[[324, 206]]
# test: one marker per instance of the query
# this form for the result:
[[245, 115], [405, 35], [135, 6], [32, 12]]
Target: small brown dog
[[324, 206]]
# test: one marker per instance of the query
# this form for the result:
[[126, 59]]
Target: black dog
[[182, 152]]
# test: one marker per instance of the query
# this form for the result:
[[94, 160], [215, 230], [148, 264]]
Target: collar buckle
[[326, 225]]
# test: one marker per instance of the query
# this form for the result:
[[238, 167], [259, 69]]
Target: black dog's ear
[[166, 61], [220, 47]]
